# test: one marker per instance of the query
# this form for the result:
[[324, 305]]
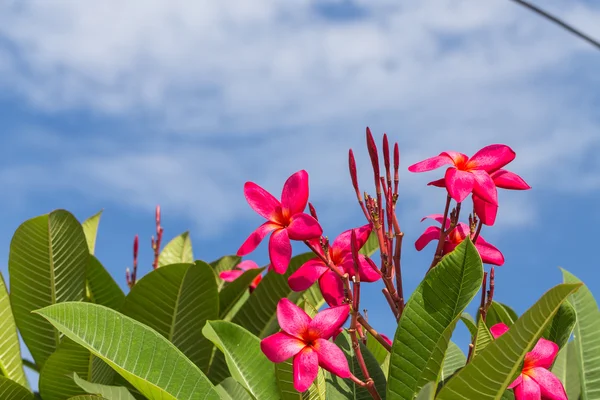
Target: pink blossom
[[535, 381], [286, 219], [470, 175], [340, 254], [233, 274], [307, 340], [489, 253]]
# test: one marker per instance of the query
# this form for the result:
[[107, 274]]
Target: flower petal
[[516, 382], [294, 195], [492, 157], [438, 183], [256, 237], [498, 330], [431, 163], [306, 368], [303, 227], [262, 201], [281, 346], [542, 355], [459, 183], [457, 158], [280, 250], [527, 390], [328, 321], [332, 288], [431, 233], [366, 271], [341, 244], [485, 211], [387, 339], [307, 274], [550, 386], [508, 180], [332, 358], [230, 276], [247, 265], [292, 319], [255, 282], [489, 253], [484, 187]]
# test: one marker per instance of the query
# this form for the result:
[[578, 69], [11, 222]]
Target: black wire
[[559, 22]]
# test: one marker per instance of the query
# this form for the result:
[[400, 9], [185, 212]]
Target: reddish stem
[[439, 251], [156, 243], [482, 310]]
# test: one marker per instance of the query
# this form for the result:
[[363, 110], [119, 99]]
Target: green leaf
[[225, 263], [470, 323], [483, 339], [90, 229], [371, 245], [338, 388], [87, 397], [55, 378], [587, 339], [11, 364], [562, 325], [108, 392], [102, 288], [176, 301], [247, 363], [453, 361], [500, 313], [142, 356], [258, 314], [379, 352], [566, 368], [488, 375], [178, 250], [10, 389], [233, 291], [427, 392], [47, 265], [230, 389], [429, 318]]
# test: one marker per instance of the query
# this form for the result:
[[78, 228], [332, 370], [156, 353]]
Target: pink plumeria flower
[[470, 175], [307, 340], [387, 339], [489, 253], [503, 179], [285, 219], [233, 274], [535, 381], [340, 254]]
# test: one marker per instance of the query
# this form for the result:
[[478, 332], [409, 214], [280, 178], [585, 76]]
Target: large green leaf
[[47, 264], [560, 329], [230, 389], [178, 250], [55, 378], [87, 397], [338, 388], [500, 313], [483, 339], [247, 363], [470, 323], [90, 229], [379, 352], [488, 375], [427, 392], [587, 339], [106, 391], [233, 291], [141, 355], [176, 301], [566, 368], [428, 321], [453, 361], [102, 288], [10, 389], [11, 365]]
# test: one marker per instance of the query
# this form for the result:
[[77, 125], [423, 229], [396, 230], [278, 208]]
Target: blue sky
[[124, 106]]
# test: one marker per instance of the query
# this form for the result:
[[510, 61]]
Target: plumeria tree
[[295, 329]]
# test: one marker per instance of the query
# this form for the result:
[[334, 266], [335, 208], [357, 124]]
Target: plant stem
[[363, 321], [439, 250]]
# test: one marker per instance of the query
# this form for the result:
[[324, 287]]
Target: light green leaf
[[500, 313], [225, 263], [427, 392], [566, 368], [247, 363], [232, 292], [90, 229], [102, 288], [87, 397], [371, 245], [55, 378], [429, 318], [178, 250], [47, 265], [10, 389], [108, 392], [141, 355], [230, 389], [470, 323], [379, 352], [560, 329], [176, 301], [11, 364], [488, 375], [453, 361], [587, 339], [483, 339]]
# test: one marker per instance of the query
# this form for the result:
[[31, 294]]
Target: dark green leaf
[[560, 329]]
